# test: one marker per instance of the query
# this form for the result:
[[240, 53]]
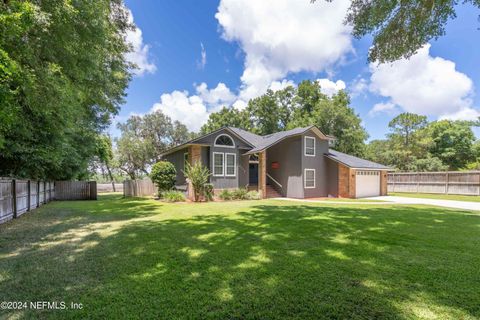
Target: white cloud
[[388, 108], [216, 97], [280, 85], [329, 87], [358, 87], [203, 57], [425, 84], [283, 37], [178, 105], [462, 114], [140, 51]]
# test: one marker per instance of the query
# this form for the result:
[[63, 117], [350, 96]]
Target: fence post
[[38, 194], [44, 192], [14, 198], [93, 190], [418, 181], [28, 195], [447, 178], [393, 178]]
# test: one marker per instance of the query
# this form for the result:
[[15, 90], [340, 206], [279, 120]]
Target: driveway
[[433, 202]]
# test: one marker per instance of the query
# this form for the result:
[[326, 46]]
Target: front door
[[253, 174]]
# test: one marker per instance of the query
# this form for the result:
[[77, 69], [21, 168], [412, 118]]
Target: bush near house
[[198, 177], [238, 194], [173, 196], [164, 176]]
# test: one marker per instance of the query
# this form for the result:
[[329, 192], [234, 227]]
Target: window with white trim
[[218, 163], [309, 178], [230, 164], [224, 140], [310, 146]]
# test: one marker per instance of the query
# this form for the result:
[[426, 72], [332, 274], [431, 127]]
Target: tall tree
[[400, 28], [406, 124], [63, 74], [226, 117], [452, 142], [144, 138]]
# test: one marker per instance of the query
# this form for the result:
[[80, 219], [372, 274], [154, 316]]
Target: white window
[[224, 140], [309, 178], [218, 164], [310, 146], [230, 165], [185, 160]]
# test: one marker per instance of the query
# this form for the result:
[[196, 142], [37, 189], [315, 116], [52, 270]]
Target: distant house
[[297, 163]]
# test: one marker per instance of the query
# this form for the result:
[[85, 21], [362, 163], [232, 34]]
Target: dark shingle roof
[[354, 162], [262, 142]]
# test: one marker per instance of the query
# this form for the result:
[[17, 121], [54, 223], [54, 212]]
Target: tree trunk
[[111, 177]]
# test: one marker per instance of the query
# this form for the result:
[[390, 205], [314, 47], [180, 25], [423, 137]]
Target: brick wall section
[[352, 184], [262, 174], [383, 183], [194, 155], [343, 181], [346, 182]]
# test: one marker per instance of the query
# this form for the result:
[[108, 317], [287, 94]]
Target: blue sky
[[196, 56]]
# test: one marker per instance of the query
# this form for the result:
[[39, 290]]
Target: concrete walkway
[[389, 200], [431, 202]]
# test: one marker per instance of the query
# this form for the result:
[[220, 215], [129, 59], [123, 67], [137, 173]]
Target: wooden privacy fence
[[138, 188], [75, 190], [20, 196], [451, 182]]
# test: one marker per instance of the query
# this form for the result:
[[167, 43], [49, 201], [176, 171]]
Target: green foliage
[[252, 195], [400, 28], [198, 175], [226, 117], [225, 194], [63, 74], [452, 142], [144, 138], [208, 192], [173, 196], [416, 145], [298, 107], [238, 194], [164, 176]]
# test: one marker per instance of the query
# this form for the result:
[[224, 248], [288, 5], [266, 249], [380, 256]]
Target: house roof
[[354, 162]]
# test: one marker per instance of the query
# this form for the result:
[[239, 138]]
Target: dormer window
[[224, 140]]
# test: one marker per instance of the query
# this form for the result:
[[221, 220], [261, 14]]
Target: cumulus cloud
[[289, 36], [388, 108], [203, 57], [140, 51], [425, 84], [216, 97], [329, 87]]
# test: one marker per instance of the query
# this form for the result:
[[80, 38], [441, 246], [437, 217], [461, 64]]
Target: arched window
[[224, 140]]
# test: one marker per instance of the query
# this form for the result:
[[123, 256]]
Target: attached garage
[[356, 177], [367, 183]]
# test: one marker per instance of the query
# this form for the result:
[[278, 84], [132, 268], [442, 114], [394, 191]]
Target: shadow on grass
[[248, 261]]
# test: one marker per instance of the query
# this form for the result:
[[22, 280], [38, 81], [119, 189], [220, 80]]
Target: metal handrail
[[278, 183]]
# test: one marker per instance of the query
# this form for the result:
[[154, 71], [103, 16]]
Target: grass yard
[[436, 196], [138, 258]]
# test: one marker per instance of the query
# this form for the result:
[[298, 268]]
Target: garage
[[367, 183]]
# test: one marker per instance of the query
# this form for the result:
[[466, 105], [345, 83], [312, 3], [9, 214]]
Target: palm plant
[[198, 177]]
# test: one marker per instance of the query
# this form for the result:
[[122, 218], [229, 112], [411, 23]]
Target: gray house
[[297, 163]]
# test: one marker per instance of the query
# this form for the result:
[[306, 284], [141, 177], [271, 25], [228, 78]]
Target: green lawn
[[138, 258], [436, 196]]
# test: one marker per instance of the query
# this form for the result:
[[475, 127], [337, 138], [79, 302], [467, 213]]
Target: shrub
[[173, 196], [198, 176], [225, 194], [208, 191], [164, 176], [239, 194], [253, 195]]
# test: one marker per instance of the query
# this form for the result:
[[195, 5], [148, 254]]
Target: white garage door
[[367, 183]]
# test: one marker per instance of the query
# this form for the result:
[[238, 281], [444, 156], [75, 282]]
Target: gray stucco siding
[[177, 158], [289, 174], [332, 177], [317, 162]]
